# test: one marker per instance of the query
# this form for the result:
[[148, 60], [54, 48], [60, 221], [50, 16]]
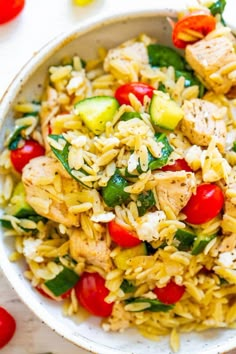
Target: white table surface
[[40, 21]]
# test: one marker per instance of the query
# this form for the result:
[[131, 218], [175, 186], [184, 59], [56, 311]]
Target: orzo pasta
[[119, 186]]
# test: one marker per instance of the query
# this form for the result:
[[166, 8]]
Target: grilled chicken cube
[[95, 252], [174, 190], [214, 61], [202, 121], [40, 176], [126, 61]]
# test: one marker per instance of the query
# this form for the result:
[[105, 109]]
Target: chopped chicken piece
[[96, 252], [201, 122], [174, 189], [45, 183], [228, 244], [126, 61], [214, 61], [229, 218]]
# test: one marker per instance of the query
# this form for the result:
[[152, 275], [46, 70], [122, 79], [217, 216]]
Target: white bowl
[[107, 30]]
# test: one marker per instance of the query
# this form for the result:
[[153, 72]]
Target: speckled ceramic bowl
[[108, 30]]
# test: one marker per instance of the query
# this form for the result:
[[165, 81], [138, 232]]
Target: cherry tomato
[[178, 165], [138, 89], [21, 156], [171, 293], [7, 327], [62, 297], [121, 236], [200, 22], [10, 9], [205, 204], [91, 292]]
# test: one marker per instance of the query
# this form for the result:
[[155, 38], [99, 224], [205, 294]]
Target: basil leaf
[[127, 286]]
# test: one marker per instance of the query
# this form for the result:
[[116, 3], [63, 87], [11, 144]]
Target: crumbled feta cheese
[[147, 226], [228, 259], [104, 217], [79, 141], [132, 162], [74, 84], [30, 249]]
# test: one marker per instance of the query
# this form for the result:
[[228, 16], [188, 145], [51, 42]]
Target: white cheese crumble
[[228, 259], [30, 249], [104, 217], [147, 226]]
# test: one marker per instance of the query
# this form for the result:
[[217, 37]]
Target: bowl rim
[[6, 100]]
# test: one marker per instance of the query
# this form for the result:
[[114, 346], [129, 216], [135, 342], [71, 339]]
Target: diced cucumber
[[114, 194], [18, 205], [186, 239], [96, 111], [128, 253], [164, 112], [201, 241], [62, 282]]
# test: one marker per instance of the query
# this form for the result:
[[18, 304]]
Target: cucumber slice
[[186, 239], [124, 255], [200, 243], [96, 111], [18, 205], [164, 112]]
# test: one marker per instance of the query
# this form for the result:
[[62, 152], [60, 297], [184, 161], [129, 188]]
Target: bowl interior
[[27, 86]]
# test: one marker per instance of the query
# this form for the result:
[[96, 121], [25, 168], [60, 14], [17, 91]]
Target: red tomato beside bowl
[[9, 9]]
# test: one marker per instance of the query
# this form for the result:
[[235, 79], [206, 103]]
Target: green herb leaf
[[190, 80], [15, 137], [62, 156], [127, 286], [145, 201], [162, 56], [114, 194], [154, 305], [63, 282]]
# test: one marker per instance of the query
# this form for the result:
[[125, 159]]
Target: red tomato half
[[138, 89], [171, 293], [10, 9], [21, 156], [200, 22], [205, 204], [91, 292], [7, 327], [121, 236], [178, 165]]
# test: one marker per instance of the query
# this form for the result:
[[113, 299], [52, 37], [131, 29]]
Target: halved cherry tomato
[[63, 296], [122, 236], [171, 293], [7, 327], [91, 293], [10, 9], [200, 22], [205, 204], [178, 165], [21, 156], [138, 89]]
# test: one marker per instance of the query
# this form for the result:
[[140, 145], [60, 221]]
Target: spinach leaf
[[114, 194], [145, 201], [153, 304], [127, 286], [162, 56], [62, 156]]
